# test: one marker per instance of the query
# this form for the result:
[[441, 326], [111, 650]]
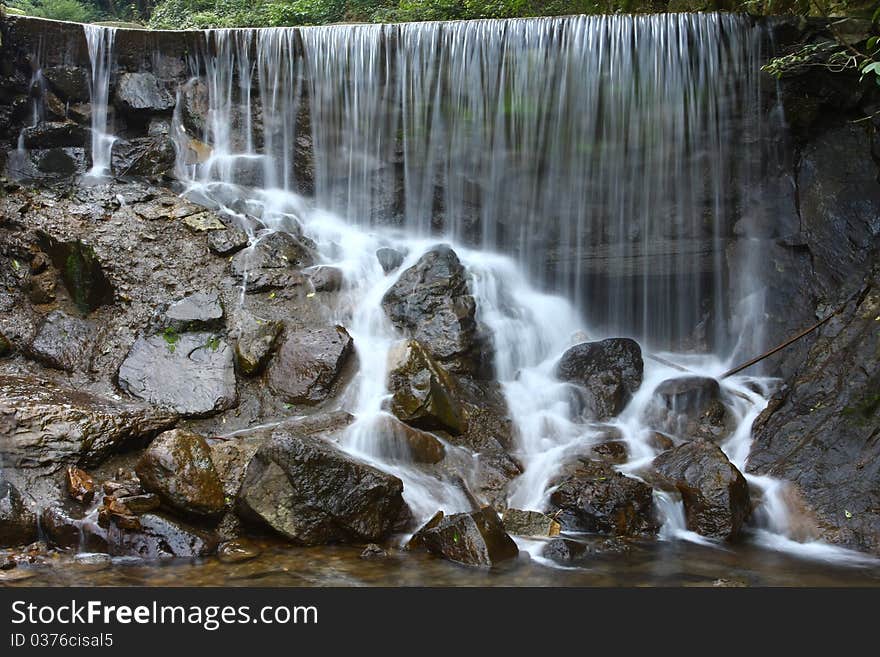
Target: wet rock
[[66, 527], [151, 156], [160, 537], [18, 525], [404, 442], [389, 259], [661, 441], [593, 497], [62, 342], [140, 504], [310, 492], [201, 311], [472, 539], [192, 374], [203, 222], [431, 302], [530, 523], [326, 279], [113, 513], [80, 485], [228, 241], [92, 561], [373, 551], [51, 425], [309, 364], [53, 163], [237, 551], [272, 262], [690, 407], [714, 492], [609, 372], [195, 106], [54, 134], [566, 551], [81, 271], [5, 346], [69, 82], [613, 451], [142, 92], [177, 467], [423, 394], [41, 289], [416, 541], [256, 342]]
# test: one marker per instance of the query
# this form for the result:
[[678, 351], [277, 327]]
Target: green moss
[[171, 338]]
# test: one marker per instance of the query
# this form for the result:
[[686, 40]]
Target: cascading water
[[605, 159], [100, 45]]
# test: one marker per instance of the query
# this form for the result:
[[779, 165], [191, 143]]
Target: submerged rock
[[714, 492], [593, 497], [310, 363], [373, 551], [18, 525], [567, 552], [177, 467], [472, 539], [310, 492], [431, 302], [62, 342], [423, 394], [237, 551], [192, 374], [609, 372]]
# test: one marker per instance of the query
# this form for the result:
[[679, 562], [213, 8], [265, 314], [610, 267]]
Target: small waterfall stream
[[588, 172]]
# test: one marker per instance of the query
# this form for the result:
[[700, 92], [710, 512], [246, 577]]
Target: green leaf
[[871, 67]]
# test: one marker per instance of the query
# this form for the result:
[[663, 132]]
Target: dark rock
[[142, 92], [614, 452], [18, 525], [593, 497], [160, 537], [80, 485], [389, 259], [401, 441], [195, 106], [567, 552], [326, 279], [192, 374], [309, 364], [69, 82], [228, 241], [42, 288], [54, 134], [820, 432], [530, 523], [59, 162], [62, 342], [272, 262], [51, 425], [81, 272], [373, 551], [70, 528], [424, 395], [5, 346], [256, 342], [416, 541], [690, 407], [714, 492], [237, 551], [310, 492], [201, 311], [472, 539], [151, 156], [431, 302], [178, 468], [140, 504], [608, 371]]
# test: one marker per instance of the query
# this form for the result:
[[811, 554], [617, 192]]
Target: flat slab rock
[[42, 424], [192, 374]]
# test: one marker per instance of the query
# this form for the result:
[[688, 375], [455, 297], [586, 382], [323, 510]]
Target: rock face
[[62, 342], [309, 364], [308, 491], [714, 492], [423, 393], [81, 271], [608, 373], [192, 374], [151, 156], [593, 497], [820, 431], [141, 92], [472, 539], [690, 407], [70, 82], [431, 302], [48, 425], [18, 526], [178, 468], [272, 262]]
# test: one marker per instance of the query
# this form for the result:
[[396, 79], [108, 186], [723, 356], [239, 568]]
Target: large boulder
[[274, 261], [69, 82], [472, 539], [48, 425], [62, 342], [192, 374], [690, 407], [18, 525], [714, 492], [142, 93], [178, 468], [423, 394], [309, 364], [608, 373], [820, 432], [431, 302], [308, 491], [591, 496]]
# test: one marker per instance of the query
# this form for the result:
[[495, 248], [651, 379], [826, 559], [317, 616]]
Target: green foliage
[[62, 10]]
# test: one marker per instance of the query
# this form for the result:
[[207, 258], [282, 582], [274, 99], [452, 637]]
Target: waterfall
[[100, 45]]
